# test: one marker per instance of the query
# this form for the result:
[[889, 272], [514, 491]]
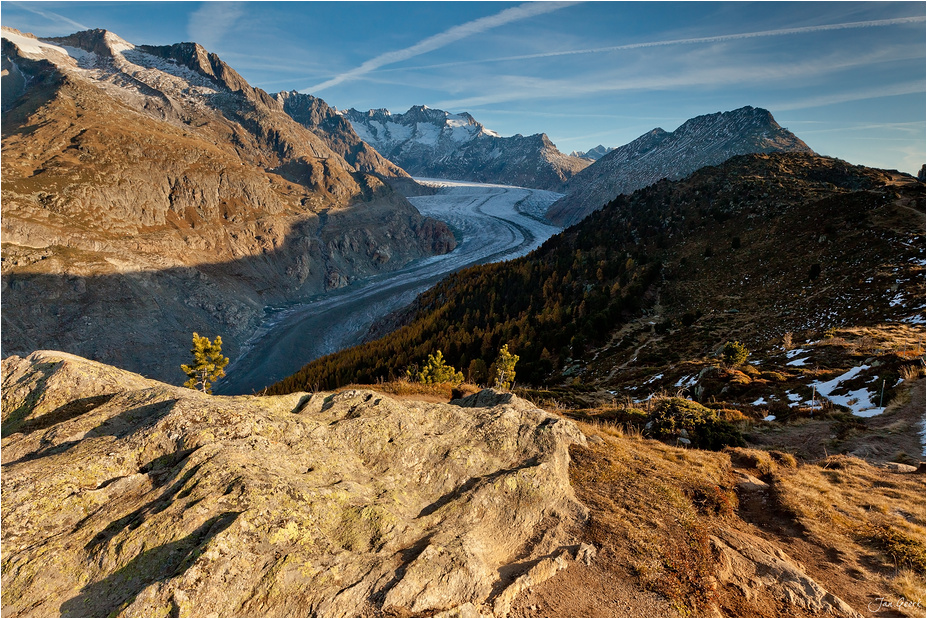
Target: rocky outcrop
[[701, 141], [128, 497], [314, 114], [437, 144], [149, 192], [759, 570]]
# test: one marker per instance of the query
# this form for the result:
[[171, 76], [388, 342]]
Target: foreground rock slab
[[124, 496]]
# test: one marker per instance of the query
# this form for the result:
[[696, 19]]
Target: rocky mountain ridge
[[593, 154], [149, 192], [437, 144], [705, 140]]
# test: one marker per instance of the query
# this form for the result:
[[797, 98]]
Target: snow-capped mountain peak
[[431, 142]]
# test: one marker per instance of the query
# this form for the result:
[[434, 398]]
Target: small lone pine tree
[[208, 363], [503, 369], [436, 370], [734, 354]]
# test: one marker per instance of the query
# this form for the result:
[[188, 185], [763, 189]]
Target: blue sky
[[847, 78]]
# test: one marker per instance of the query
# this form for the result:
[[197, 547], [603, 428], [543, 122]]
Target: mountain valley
[[468, 375], [152, 190]]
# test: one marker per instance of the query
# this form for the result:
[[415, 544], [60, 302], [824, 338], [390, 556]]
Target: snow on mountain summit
[[435, 143]]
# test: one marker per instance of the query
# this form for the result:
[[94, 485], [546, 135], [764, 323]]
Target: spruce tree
[[208, 363]]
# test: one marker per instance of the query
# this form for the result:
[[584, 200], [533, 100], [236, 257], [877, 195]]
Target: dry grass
[[910, 586], [405, 389], [653, 508], [861, 511], [911, 372]]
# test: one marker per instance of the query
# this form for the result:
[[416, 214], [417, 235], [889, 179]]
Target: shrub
[[734, 353], [435, 371], [705, 427]]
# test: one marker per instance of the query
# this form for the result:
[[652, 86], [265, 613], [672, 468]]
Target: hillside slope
[[149, 192], [123, 496], [641, 295], [437, 144], [701, 141]]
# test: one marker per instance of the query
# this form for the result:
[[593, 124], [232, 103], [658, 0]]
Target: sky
[[848, 78]]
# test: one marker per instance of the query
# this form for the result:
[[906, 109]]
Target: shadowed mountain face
[[701, 141], [438, 144], [150, 192]]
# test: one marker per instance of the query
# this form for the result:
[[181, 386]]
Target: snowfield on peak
[[437, 144]]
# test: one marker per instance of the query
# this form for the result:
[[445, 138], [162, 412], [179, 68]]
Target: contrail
[[52, 16], [712, 39], [477, 26]]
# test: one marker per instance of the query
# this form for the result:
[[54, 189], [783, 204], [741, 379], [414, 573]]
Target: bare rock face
[[124, 496], [705, 140], [759, 569], [149, 192]]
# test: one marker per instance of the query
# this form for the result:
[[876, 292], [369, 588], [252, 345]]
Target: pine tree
[[503, 369], [436, 370], [734, 354], [208, 363]]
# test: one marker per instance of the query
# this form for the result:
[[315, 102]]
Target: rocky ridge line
[[704, 140], [437, 144]]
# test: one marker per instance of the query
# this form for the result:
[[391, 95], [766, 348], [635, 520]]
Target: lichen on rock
[[154, 500]]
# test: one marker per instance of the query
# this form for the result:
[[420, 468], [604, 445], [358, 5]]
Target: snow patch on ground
[[427, 134], [857, 401], [33, 48], [686, 381]]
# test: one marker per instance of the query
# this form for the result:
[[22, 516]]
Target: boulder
[[124, 496]]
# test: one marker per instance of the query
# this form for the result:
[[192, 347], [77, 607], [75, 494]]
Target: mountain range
[[437, 144], [593, 154], [718, 397], [149, 192], [704, 140]]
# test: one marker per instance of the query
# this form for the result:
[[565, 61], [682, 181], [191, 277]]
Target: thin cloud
[[876, 23], [908, 127], [54, 17], [907, 88], [693, 73], [212, 21], [477, 26]]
